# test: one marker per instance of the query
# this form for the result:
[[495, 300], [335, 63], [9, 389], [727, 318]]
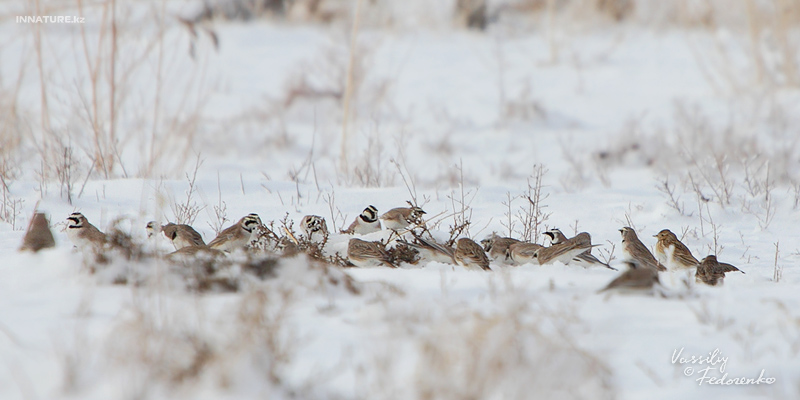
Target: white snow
[[436, 110]]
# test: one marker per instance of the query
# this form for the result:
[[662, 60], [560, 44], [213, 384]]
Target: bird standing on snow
[[431, 250], [523, 253], [672, 253], [711, 272], [497, 247], [470, 255], [564, 251], [38, 236], [637, 279], [366, 222], [83, 234], [236, 236], [181, 235], [634, 249], [315, 228], [368, 254]]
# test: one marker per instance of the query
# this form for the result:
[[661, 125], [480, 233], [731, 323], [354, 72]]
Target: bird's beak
[[655, 235]]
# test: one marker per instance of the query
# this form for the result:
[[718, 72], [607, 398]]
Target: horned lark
[[365, 223], [585, 259], [314, 227], [236, 236], [400, 218], [522, 253], [181, 235], [151, 228], [497, 247], [634, 249], [555, 236], [672, 253], [470, 255], [430, 250], [564, 251], [38, 235], [367, 254], [82, 233], [711, 272], [637, 278]]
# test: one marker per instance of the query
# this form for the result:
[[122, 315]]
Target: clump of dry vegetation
[[730, 164], [527, 221], [517, 347], [180, 349]]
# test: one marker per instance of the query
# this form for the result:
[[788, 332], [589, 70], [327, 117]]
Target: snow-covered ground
[[655, 126]]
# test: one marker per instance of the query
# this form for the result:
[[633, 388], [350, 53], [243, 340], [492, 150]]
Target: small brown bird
[[181, 235], [38, 236], [522, 253], [672, 253], [711, 272], [368, 254], [400, 218], [83, 234], [470, 255], [431, 250], [236, 236], [564, 251], [637, 278], [585, 259], [366, 222], [497, 247], [634, 249], [315, 228]]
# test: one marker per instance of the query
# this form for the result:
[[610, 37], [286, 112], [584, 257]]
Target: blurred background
[[361, 92]]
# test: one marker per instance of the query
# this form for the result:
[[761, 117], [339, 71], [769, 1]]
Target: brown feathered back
[[38, 236]]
